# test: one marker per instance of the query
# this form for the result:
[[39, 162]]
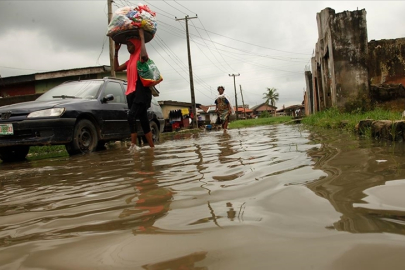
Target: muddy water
[[275, 197]]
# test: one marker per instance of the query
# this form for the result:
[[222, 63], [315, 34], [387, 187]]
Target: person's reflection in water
[[231, 213], [184, 263], [225, 148], [151, 200]]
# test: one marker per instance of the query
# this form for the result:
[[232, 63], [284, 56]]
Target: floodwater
[[273, 197]]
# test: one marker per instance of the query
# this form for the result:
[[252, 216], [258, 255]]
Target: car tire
[[155, 132], [14, 153], [85, 139]]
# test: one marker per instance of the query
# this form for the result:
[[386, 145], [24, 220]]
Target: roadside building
[[22, 88], [259, 109], [350, 73], [16, 89], [243, 112], [209, 117], [293, 110]]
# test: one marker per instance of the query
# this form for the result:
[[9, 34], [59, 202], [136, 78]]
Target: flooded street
[[273, 197]]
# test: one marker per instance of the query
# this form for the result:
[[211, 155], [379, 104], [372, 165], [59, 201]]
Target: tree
[[271, 96]]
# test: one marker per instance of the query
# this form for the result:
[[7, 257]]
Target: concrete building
[[350, 73], [339, 74]]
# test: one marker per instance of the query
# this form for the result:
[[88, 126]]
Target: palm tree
[[271, 96]]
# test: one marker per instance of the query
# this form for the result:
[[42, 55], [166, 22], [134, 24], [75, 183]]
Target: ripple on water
[[199, 182]]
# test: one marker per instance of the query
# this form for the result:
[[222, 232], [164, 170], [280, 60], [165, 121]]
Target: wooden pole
[[111, 42], [190, 69]]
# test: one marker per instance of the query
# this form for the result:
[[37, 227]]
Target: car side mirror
[[108, 97]]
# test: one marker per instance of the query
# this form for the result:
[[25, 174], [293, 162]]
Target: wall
[[167, 108], [386, 61], [339, 66], [308, 96], [18, 89]]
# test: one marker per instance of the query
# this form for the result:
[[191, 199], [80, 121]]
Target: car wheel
[[84, 138], [14, 153], [155, 134], [155, 131]]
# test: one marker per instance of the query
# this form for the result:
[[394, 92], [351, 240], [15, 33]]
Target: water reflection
[[353, 168], [151, 200], [185, 262], [277, 188]]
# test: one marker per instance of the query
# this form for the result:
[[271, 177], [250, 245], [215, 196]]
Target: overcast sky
[[269, 43]]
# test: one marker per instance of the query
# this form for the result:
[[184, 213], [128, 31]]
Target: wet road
[[274, 197]]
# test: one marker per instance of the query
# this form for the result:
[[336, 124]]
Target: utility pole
[[243, 103], [195, 119], [111, 43], [236, 98]]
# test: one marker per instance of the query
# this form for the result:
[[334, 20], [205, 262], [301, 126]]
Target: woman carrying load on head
[[139, 97], [223, 107]]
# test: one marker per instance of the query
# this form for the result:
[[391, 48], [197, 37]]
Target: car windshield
[[81, 89]]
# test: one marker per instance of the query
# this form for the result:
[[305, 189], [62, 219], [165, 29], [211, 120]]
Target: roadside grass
[[333, 119], [259, 122], [47, 151]]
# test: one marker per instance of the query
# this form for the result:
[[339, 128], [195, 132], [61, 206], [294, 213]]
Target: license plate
[[6, 129]]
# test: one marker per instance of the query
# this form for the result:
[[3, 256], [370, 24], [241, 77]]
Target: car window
[[115, 89], [79, 89]]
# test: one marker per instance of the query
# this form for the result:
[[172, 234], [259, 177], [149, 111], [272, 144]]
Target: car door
[[114, 112]]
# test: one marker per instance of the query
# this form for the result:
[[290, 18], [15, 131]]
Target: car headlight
[[47, 113]]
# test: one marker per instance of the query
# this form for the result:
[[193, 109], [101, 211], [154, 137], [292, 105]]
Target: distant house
[[294, 111], [243, 113], [209, 117], [259, 109], [22, 88], [170, 105]]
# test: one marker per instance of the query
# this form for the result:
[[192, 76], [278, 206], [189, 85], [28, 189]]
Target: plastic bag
[[149, 73], [132, 18]]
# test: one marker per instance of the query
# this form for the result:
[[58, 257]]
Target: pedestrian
[[138, 96], [223, 107]]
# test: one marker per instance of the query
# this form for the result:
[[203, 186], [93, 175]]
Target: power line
[[184, 7], [223, 70]]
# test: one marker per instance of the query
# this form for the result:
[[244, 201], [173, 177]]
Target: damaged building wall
[[308, 96], [339, 66], [386, 61], [350, 73], [387, 73]]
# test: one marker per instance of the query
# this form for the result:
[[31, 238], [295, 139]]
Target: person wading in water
[[223, 107], [139, 97]]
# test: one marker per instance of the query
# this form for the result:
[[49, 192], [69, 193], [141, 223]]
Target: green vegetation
[[259, 122], [334, 119], [42, 152], [271, 96]]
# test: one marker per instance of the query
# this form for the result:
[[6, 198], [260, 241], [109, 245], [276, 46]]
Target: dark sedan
[[82, 115]]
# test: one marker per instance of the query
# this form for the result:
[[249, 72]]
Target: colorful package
[[127, 20]]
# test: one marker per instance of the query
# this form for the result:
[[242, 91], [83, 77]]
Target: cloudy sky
[[269, 43]]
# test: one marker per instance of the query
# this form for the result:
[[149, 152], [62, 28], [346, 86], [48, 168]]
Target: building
[[23, 88], [209, 117], [350, 73], [293, 110], [264, 107], [28, 87], [243, 112]]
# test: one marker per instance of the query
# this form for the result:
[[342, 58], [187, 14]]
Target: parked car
[[82, 115]]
